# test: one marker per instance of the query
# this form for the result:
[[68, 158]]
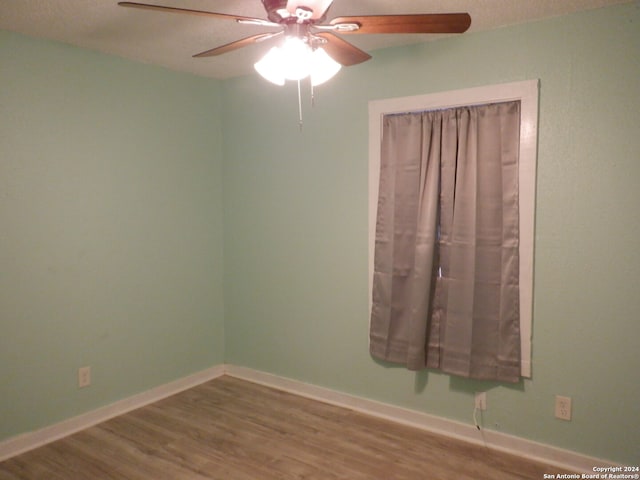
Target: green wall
[[110, 229], [296, 228]]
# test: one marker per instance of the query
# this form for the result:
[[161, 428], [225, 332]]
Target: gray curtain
[[445, 285]]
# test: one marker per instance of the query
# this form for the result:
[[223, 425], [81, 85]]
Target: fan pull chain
[[300, 106]]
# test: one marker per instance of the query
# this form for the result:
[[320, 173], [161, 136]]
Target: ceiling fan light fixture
[[296, 57], [323, 67], [290, 61], [270, 67], [295, 60]]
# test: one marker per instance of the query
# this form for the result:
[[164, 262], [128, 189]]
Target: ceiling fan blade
[[237, 44], [420, 23], [342, 51], [203, 13]]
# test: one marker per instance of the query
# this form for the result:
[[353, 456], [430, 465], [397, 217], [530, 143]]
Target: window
[[527, 93]]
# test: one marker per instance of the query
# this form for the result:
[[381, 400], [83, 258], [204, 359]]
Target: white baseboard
[[560, 458], [28, 441], [554, 456]]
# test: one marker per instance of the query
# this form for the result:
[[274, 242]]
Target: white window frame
[[527, 93]]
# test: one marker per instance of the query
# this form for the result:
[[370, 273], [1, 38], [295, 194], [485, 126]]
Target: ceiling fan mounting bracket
[[346, 27]]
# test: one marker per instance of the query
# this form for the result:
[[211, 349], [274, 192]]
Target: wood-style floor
[[229, 429]]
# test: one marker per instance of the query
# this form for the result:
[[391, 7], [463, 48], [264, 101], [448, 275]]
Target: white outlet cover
[[84, 377], [563, 408]]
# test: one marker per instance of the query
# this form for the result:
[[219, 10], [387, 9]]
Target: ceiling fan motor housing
[[278, 12], [273, 8]]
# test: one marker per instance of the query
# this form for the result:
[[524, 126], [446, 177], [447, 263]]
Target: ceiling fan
[[312, 47]]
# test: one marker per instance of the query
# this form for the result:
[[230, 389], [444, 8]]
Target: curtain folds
[[445, 286]]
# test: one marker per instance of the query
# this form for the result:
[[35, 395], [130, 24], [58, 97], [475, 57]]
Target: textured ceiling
[[170, 40]]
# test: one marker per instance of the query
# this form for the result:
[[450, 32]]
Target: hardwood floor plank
[[230, 429]]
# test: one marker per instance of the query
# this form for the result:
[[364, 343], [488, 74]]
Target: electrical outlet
[[84, 377], [563, 407], [481, 400]]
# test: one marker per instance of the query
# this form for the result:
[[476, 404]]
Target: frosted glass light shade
[[295, 60], [296, 57], [270, 66], [323, 67]]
